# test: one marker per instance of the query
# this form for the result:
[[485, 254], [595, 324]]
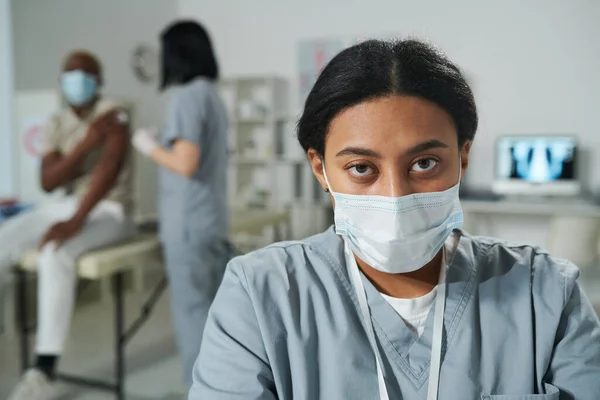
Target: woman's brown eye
[[424, 164], [360, 170]]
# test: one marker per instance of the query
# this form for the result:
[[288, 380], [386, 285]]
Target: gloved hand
[[145, 140]]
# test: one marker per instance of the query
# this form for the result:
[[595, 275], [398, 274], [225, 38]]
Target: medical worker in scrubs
[[192, 156], [395, 301]]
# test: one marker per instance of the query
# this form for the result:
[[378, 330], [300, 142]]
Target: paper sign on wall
[[313, 55], [31, 139], [33, 110]]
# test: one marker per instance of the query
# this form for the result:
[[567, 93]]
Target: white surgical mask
[[397, 234], [78, 87]]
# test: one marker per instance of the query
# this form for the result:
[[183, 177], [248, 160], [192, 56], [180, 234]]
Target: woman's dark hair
[[187, 53], [378, 68]]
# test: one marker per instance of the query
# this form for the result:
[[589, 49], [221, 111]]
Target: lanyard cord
[[438, 325]]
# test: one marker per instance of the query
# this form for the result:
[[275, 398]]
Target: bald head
[[83, 61], [80, 80]]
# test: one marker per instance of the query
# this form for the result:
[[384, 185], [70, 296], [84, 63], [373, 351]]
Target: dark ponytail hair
[[378, 68], [187, 53]]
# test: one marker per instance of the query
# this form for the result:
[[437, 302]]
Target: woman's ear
[[464, 157], [316, 163]]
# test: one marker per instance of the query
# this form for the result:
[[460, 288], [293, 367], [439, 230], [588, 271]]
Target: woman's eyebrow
[[428, 145], [358, 151]]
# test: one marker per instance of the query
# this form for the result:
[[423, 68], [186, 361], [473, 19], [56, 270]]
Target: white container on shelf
[[251, 110], [263, 143], [228, 96], [261, 94], [261, 179]]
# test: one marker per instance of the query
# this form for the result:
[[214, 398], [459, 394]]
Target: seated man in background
[[86, 152]]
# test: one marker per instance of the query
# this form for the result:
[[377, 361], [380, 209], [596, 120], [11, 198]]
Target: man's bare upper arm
[[116, 146], [105, 173]]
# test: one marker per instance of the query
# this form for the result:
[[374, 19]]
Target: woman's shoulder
[[198, 93], [194, 88], [524, 264], [297, 262]]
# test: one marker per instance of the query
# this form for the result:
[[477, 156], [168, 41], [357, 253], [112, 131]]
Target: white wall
[[535, 63], [6, 95], [45, 31]]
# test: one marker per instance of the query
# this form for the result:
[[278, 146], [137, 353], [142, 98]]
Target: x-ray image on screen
[[536, 159]]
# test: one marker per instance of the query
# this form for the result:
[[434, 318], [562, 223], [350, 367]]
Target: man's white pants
[[106, 224]]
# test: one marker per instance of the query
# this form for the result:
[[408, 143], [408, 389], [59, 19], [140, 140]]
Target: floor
[[153, 369]]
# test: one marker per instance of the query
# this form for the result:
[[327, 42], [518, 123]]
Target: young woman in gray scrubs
[[395, 301], [192, 159]]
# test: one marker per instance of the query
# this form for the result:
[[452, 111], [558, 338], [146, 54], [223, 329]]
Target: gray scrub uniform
[[286, 325], [193, 212]]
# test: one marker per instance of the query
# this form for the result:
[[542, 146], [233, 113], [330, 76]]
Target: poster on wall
[[33, 110], [31, 139], [312, 56]]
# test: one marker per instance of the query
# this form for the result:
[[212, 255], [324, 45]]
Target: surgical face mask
[[78, 87], [397, 235]]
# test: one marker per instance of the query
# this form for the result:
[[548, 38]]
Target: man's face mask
[[78, 87]]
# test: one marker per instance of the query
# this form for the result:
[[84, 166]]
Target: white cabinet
[[267, 166], [263, 154]]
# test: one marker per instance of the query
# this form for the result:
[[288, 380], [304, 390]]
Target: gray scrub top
[[286, 325], [194, 210]]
